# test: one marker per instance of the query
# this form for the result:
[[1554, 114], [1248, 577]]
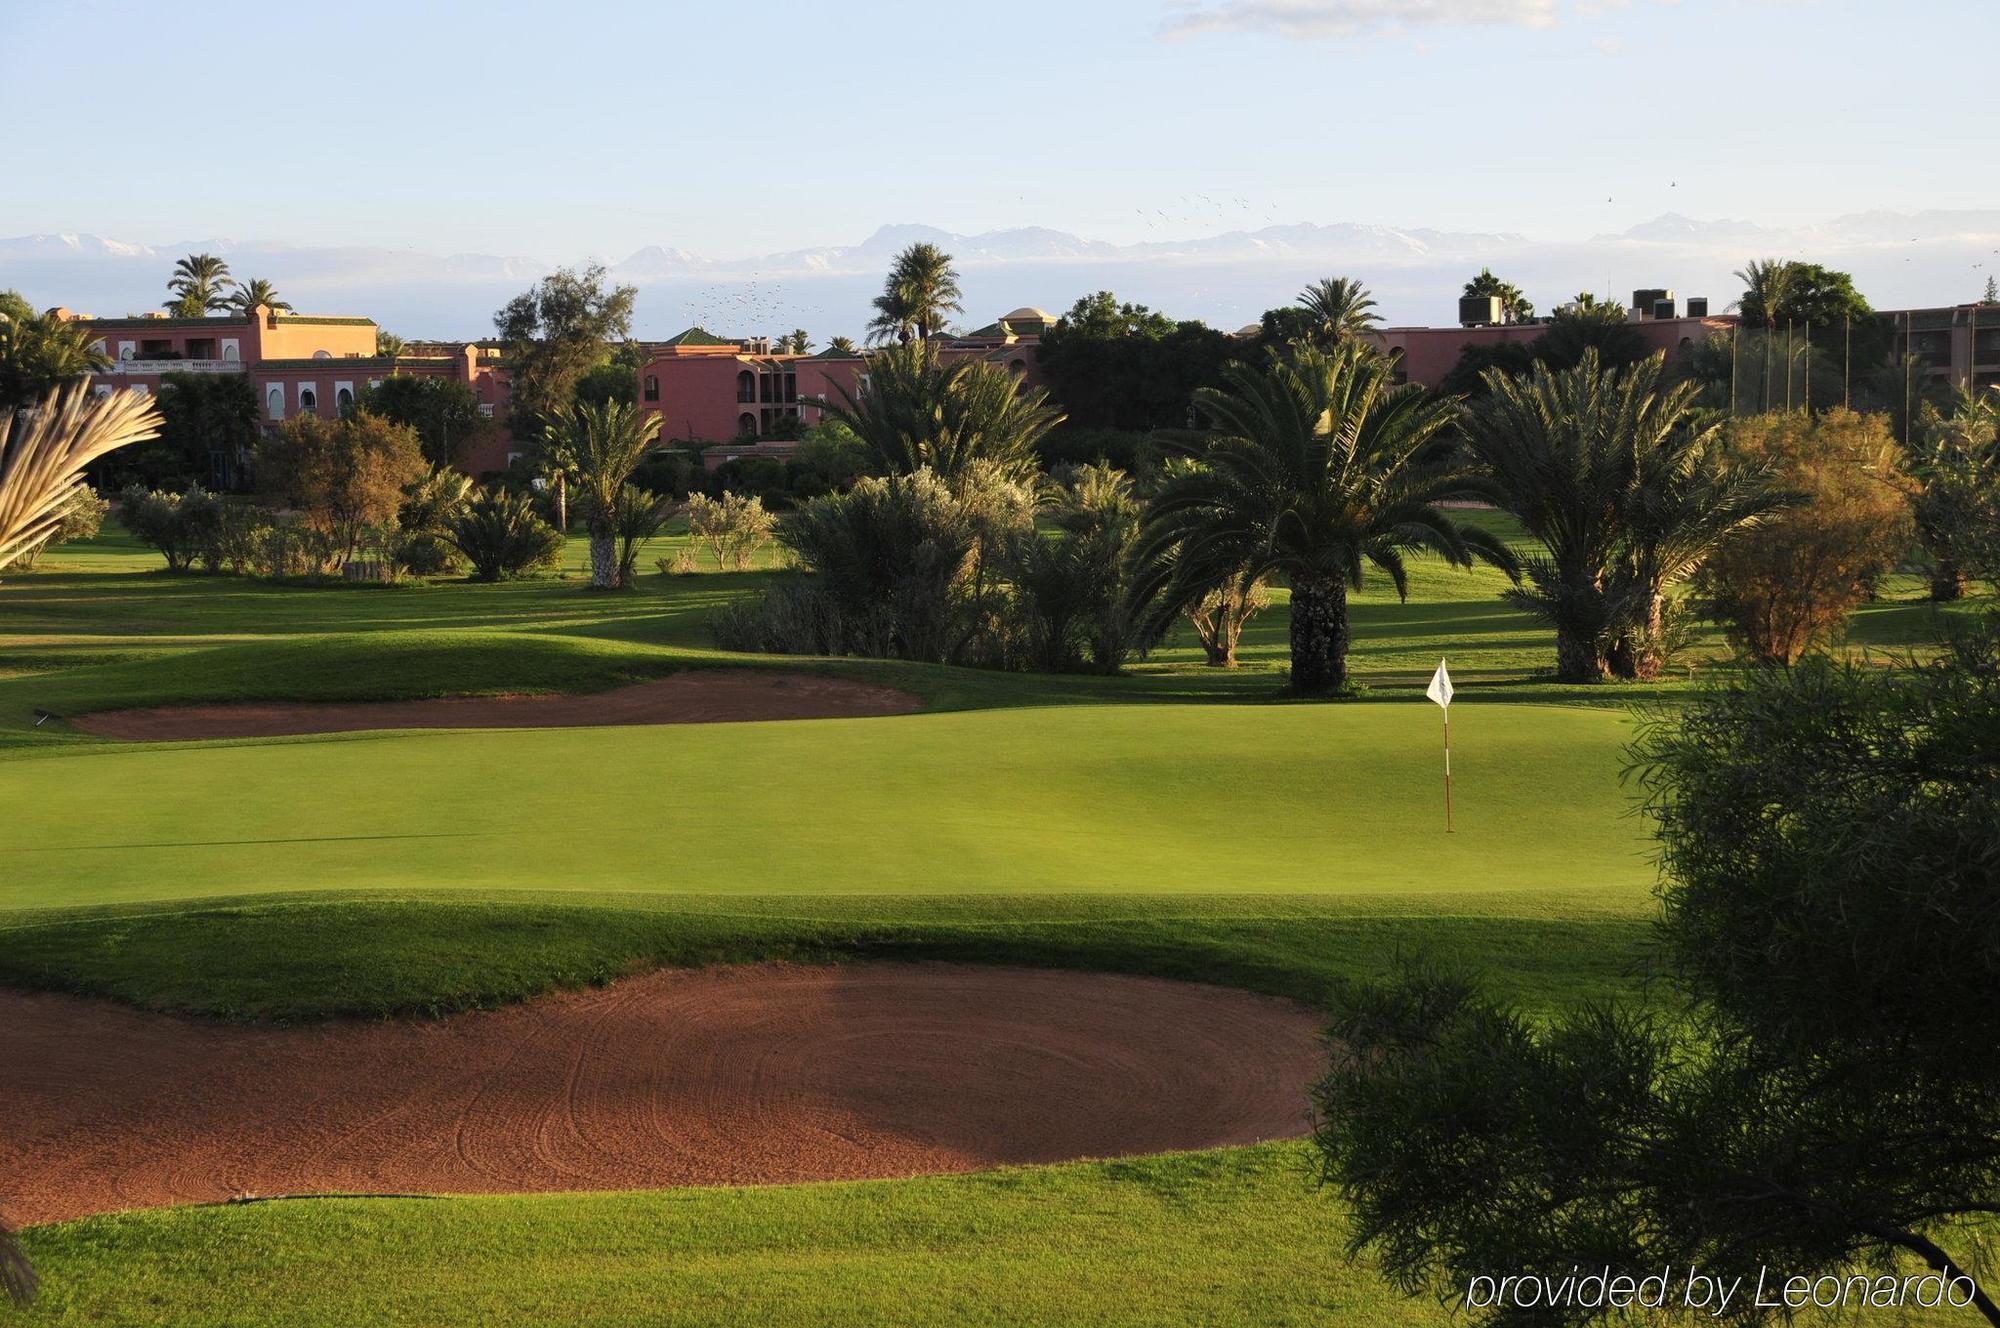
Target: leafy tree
[[733, 526], [43, 456], [1602, 468], [1779, 291], [598, 447], [39, 353], [248, 295], [1597, 326], [181, 526], [1954, 469], [501, 535], [342, 476], [1792, 582], [1819, 1101], [1123, 366], [556, 333], [444, 412], [208, 432], [918, 296], [1514, 306], [1313, 469], [199, 287], [1992, 292], [920, 412], [617, 379], [1467, 378]]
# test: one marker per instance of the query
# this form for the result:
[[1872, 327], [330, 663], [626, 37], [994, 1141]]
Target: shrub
[[79, 516], [502, 535], [639, 516], [1073, 586], [1783, 586], [733, 527], [427, 509], [181, 526], [341, 476], [1220, 615]]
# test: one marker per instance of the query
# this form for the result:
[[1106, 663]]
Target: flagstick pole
[[1447, 770]]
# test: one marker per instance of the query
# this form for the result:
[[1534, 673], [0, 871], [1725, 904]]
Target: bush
[[421, 522], [502, 535], [182, 526], [342, 476], [733, 527], [1783, 586], [1072, 588], [763, 477]]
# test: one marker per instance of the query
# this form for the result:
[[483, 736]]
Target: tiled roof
[[696, 336]]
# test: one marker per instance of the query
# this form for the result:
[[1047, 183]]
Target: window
[[652, 387], [1017, 367], [343, 397], [308, 399], [746, 387], [230, 355], [322, 355], [99, 347], [746, 425], [126, 350], [274, 401], [486, 409]]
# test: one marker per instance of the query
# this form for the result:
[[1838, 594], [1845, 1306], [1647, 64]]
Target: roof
[[322, 320], [1028, 313], [989, 332], [696, 336], [832, 354], [140, 320]]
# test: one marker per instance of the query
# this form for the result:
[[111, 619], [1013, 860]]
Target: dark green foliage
[[918, 296], [1119, 366], [1134, 453], [1830, 836], [556, 333], [502, 535], [1467, 378], [444, 412], [1577, 329], [1074, 585], [920, 412], [208, 430], [38, 353]]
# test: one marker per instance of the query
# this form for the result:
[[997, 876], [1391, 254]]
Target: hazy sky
[[559, 131]]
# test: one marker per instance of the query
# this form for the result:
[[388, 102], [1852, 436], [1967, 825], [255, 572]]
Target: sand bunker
[[700, 696], [717, 1076]]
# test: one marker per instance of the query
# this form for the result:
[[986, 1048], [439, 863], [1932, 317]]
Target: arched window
[[1017, 367], [652, 387], [322, 355], [746, 425], [746, 387], [343, 400], [274, 401], [308, 400]]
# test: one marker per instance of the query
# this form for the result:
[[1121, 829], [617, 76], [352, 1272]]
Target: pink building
[[298, 364], [733, 394]]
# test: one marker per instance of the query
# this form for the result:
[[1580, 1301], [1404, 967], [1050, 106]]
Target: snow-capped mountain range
[[1899, 259]]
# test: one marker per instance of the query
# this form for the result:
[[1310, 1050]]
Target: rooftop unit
[[1647, 302], [1479, 311]]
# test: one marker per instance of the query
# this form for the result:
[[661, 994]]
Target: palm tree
[[921, 290], [248, 295], [388, 344], [1601, 467], [919, 411], [46, 450], [598, 446], [1768, 287], [200, 286], [1514, 306], [1340, 308], [843, 346], [1317, 468], [38, 353]]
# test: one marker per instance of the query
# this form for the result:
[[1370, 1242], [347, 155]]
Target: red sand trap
[[698, 696], [716, 1076]]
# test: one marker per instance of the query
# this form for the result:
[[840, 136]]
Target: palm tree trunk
[[1947, 581], [1577, 658], [1636, 656], [603, 560], [1320, 635]]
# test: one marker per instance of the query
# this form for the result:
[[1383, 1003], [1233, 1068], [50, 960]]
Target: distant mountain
[[1226, 278]]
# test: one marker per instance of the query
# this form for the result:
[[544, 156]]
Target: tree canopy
[[554, 334], [1119, 365]]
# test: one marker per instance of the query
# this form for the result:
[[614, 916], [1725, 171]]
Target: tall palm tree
[[597, 446], [1768, 287], [1514, 306], [1601, 467], [43, 454], [920, 411], [200, 286], [1317, 469], [1340, 308], [843, 346], [389, 344], [248, 295], [917, 297], [40, 352]]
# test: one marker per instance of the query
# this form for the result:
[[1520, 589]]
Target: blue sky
[[564, 131]]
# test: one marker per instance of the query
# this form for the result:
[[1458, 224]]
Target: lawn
[[1173, 821]]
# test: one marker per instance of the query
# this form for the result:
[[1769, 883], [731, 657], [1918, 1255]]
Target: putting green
[[1127, 799]]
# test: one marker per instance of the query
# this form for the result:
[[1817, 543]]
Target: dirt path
[[697, 696], [717, 1076]]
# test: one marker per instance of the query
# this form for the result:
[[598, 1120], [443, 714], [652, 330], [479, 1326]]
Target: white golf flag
[[1440, 688]]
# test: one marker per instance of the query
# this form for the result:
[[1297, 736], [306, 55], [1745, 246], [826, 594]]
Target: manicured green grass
[[1164, 822]]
